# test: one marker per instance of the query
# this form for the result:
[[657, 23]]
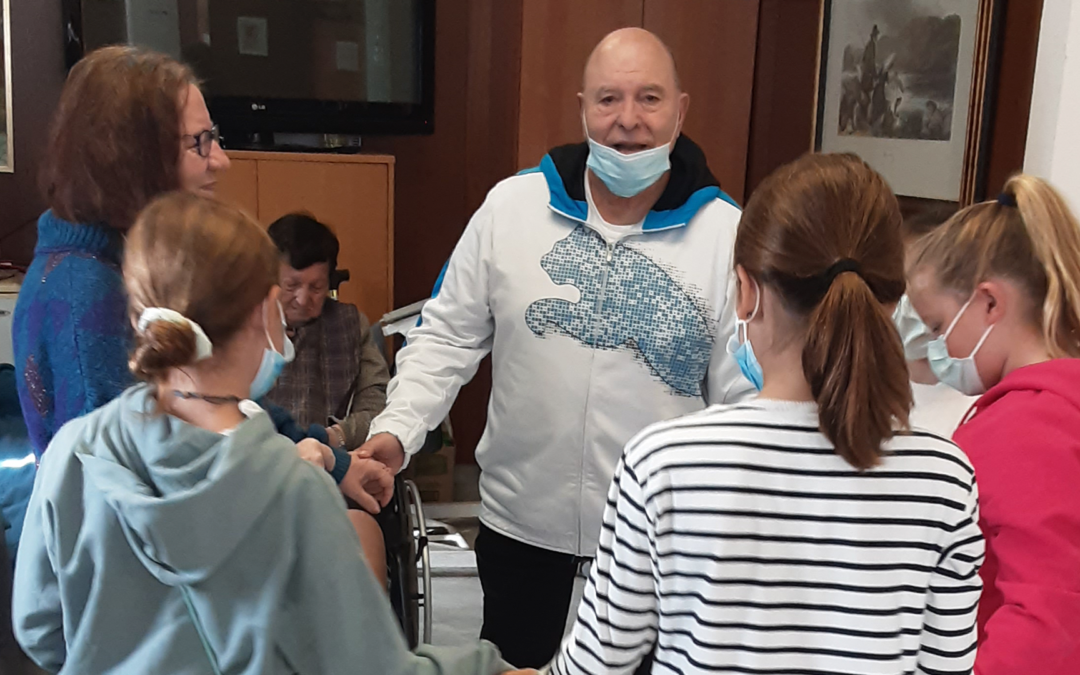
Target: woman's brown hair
[[114, 143], [824, 234], [1028, 236], [203, 259]]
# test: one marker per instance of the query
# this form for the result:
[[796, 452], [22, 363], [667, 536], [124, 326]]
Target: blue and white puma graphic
[[629, 302]]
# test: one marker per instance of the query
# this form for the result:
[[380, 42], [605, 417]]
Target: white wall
[[1053, 145]]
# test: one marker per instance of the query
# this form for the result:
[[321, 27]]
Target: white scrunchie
[[203, 347]]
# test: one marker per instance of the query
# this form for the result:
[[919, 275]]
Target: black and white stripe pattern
[[736, 541]]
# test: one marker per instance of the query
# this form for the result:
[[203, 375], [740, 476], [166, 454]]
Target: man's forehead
[[641, 61]]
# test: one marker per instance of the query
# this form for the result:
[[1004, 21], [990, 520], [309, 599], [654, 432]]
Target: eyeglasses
[[204, 141]]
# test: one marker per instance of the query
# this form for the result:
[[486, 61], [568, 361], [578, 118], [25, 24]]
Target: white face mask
[[273, 361], [913, 332], [628, 175], [960, 374]]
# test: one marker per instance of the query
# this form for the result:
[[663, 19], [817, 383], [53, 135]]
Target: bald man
[[600, 283]]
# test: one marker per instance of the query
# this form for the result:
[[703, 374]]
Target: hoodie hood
[[173, 486], [689, 189], [1058, 376]]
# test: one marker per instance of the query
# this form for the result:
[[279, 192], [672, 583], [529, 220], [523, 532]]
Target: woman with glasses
[[130, 125]]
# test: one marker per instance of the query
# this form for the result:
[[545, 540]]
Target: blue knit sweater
[[71, 333]]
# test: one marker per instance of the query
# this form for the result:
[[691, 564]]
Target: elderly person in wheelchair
[[337, 381], [329, 393]]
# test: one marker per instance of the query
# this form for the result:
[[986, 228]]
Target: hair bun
[[160, 346]]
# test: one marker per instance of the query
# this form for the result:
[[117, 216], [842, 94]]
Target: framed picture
[[7, 160], [905, 84]]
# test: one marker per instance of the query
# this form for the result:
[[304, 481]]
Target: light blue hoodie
[[136, 515]]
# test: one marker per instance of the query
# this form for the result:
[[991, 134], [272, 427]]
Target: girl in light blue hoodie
[[173, 530]]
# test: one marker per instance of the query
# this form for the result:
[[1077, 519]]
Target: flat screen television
[[349, 67]]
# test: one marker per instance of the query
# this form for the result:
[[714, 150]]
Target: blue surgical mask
[[628, 175], [739, 346], [273, 362], [913, 332], [960, 374]]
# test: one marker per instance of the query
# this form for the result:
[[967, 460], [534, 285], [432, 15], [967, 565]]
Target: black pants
[[527, 594]]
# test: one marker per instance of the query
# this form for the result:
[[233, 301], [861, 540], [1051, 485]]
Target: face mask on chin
[[628, 175]]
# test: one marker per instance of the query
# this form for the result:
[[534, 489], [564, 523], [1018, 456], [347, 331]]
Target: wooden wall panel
[[785, 86], [492, 107], [353, 199], [557, 38], [714, 43], [1016, 78]]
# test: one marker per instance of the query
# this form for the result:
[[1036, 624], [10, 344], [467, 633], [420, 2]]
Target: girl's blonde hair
[[1028, 236]]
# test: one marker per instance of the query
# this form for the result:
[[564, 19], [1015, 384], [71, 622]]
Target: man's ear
[[684, 107]]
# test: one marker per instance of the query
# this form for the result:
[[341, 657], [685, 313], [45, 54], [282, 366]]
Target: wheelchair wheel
[[401, 548], [408, 561], [423, 557]]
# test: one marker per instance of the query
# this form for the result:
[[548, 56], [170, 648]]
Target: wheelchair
[[408, 561], [404, 529]]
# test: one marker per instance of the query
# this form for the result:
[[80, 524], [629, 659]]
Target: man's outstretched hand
[[368, 483], [385, 448]]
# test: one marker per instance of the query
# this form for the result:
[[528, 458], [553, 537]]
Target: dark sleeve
[[288, 427]]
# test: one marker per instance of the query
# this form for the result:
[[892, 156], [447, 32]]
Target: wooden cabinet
[[353, 194]]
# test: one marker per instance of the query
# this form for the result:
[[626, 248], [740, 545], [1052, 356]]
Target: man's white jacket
[[590, 342]]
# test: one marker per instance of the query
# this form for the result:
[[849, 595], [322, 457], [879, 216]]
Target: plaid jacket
[[337, 358]]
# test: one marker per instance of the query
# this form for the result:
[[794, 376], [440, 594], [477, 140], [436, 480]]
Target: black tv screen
[[298, 66]]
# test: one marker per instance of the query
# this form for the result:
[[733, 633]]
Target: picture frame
[[909, 85], [7, 148]]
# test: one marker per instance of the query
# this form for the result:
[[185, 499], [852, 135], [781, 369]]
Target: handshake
[[369, 480]]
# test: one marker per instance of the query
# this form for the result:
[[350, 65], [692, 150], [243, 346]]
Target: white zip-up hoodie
[[591, 342]]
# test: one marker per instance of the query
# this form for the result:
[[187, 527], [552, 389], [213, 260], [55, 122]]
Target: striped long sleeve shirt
[[736, 541]]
